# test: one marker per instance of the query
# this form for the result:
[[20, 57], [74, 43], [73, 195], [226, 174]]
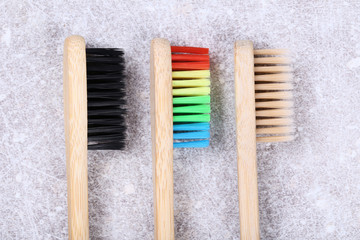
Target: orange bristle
[[189, 58], [193, 50], [190, 65]]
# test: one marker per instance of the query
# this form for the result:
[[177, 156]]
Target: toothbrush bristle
[[274, 99], [106, 98], [191, 96]]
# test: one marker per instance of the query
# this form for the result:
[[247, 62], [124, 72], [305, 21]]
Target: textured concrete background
[[309, 189]]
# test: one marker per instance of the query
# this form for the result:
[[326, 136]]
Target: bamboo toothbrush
[[181, 80], [94, 118], [263, 113]]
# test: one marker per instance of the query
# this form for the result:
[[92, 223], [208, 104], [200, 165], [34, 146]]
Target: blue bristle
[[192, 135], [192, 144], [192, 127]]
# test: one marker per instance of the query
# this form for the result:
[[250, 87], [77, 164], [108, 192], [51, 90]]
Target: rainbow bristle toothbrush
[[180, 107], [191, 96]]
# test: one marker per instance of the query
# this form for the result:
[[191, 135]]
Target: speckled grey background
[[309, 189]]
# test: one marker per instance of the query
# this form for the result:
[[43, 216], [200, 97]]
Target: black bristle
[[106, 98]]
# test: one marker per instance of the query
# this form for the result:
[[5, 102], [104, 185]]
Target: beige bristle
[[281, 77], [274, 86], [272, 69], [271, 52], [286, 138], [271, 60], [274, 122], [274, 130], [273, 95], [274, 104], [274, 113]]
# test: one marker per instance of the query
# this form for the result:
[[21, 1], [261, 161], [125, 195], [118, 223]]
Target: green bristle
[[192, 109], [192, 100], [192, 118]]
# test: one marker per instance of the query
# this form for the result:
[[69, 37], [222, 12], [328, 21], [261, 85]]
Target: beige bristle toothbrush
[[264, 113], [180, 116], [94, 99]]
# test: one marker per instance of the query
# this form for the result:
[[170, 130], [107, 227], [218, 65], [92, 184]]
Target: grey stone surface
[[309, 188]]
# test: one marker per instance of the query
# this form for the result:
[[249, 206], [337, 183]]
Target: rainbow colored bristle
[[191, 96]]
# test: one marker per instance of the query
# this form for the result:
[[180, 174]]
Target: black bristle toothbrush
[[94, 109]]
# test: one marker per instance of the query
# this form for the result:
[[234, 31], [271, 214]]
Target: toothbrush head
[[191, 96]]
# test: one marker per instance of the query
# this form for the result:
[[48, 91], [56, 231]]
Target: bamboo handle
[[162, 138], [246, 140], [75, 104]]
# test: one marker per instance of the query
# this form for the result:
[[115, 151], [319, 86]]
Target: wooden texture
[[246, 140], [162, 138], [75, 105]]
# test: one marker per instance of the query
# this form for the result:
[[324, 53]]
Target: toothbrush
[[263, 114], [180, 107], [94, 118]]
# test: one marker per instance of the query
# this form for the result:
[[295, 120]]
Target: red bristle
[[194, 50], [189, 58], [190, 65]]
